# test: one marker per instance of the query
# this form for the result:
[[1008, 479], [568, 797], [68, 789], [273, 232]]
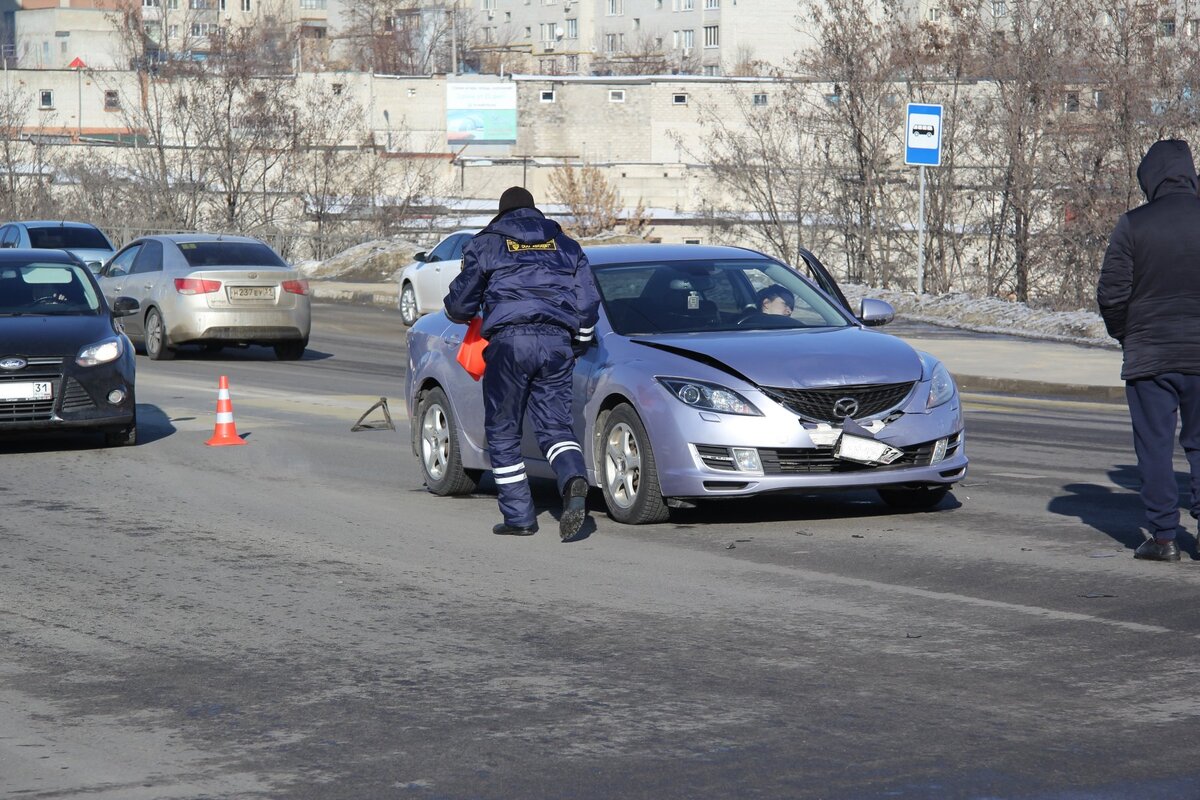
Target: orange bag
[[470, 352]]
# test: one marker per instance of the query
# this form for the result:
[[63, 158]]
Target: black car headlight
[[100, 353], [709, 396]]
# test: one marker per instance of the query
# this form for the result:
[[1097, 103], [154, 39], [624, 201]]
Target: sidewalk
[[979, 362]]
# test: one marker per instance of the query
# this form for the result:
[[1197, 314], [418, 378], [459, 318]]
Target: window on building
[[688, 39], [1166, 27], [572, 63], [151, 3], [1100, 99], [999, 9], [712, 36], [679, 99], [658, 5], [637, 23], [310, 5], [528, 32], [1071, 104], [547, 96], [172, 31], [489, 35], [710, 4], [45, 99], [614, 8], [112, 100], [1193, 28], [508, 16], [712, 70], [610, 42], [174, 4], [338, 88], [245, 5], [62, 47], [203, 28], [687, 5], [760, 99], [616, 95], [933, 14], [199, 5], [572, 29]]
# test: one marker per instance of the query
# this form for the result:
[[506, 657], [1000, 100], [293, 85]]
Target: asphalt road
[[298, 618]]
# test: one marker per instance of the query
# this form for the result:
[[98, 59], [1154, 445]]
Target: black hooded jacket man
[[1149, 296]]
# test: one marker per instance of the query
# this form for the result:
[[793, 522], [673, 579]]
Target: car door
[[448, 270], [145, 282], [812, 268], [115, 273], [430, 290]]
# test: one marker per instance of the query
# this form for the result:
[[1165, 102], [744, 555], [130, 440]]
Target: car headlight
[[709, 396], [100, 352], [941, 386]]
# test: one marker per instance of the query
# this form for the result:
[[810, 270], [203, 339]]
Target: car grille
[[819, 404], [75, 397], [37, 410], [815, 460]]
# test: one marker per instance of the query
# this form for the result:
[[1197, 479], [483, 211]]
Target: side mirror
[[421, 256], [124, 306], [874, 313]]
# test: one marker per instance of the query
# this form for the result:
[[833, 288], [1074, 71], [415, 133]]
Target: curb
[[373, 296]]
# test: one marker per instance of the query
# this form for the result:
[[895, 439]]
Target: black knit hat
[[515, 197]]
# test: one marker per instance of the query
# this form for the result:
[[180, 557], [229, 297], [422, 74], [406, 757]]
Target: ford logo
[[846, 407], [13, 363]]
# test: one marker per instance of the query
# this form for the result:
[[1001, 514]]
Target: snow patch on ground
[[991, 315]]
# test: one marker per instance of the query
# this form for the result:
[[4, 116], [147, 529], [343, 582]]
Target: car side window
[[11, 235], [122, 262], [149, 260], [460, 242], [443, 251]]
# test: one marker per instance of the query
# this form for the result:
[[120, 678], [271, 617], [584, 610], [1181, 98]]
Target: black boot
[[504, 529], [574, 509], [1157, 550]]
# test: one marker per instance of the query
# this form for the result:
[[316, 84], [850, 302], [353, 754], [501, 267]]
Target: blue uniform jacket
[[521, 270]]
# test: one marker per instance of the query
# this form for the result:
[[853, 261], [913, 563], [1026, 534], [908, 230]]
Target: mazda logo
[[846, 407], [13, 363]]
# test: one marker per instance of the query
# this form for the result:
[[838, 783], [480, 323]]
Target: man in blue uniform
[[539, 303]]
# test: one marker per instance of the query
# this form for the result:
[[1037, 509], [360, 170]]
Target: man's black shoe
[[1155, 550], [574, 509], [504, 529]]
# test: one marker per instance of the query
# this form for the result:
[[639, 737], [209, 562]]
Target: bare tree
[[594, 204]]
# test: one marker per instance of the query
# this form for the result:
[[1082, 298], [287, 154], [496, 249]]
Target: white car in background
[[425, 282]]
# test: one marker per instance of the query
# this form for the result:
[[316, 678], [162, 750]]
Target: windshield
[[693, 296], [47, 289], [229, 254], [62, 238]]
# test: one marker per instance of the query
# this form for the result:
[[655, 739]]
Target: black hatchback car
[[64, 363]]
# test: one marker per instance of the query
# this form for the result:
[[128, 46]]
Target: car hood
[[51, 335], [798, 358]]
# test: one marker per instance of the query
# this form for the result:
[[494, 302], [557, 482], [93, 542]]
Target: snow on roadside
[[990, 315]]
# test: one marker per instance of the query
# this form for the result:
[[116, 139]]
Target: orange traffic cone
[[225, 432]]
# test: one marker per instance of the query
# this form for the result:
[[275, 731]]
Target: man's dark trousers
[[1155, 405], [529, 366]]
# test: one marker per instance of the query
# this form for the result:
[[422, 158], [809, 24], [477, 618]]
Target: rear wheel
[[408, 304], [441, 459], [628, 475], [920, 498], [157, 346], [290, 351]]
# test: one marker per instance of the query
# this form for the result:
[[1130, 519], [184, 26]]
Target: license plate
[[865, 451], [29, 390], [251, 293]]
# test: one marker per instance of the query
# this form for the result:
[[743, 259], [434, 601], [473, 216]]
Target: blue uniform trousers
[[1155, 406], [529, 367]]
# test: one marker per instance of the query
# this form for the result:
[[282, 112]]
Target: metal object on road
[[375, 426]]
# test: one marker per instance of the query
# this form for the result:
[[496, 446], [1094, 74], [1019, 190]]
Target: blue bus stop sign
[[923, 135]]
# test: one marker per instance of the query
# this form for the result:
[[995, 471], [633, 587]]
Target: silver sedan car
[[209, 290]]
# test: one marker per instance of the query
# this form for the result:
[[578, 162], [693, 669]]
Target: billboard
[[481, 113]]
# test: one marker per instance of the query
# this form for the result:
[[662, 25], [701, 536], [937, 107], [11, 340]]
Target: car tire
[[409, 313], [158, 347], [438, 448], [627, 472], [290, 351], [921, 498]]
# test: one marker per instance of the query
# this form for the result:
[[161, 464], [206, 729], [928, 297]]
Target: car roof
[[26, 254], [635, 253], [177, 238], [51, 223]]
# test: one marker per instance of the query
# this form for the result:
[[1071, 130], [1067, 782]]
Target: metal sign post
[[923, 147]]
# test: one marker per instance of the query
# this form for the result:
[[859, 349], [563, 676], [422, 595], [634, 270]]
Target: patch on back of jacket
[[518, 247]]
